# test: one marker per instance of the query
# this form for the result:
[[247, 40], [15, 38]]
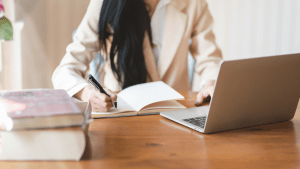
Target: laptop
[[248, 92]]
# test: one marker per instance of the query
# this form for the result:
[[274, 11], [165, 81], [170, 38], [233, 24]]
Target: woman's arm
[[205, 51], [69, 75]]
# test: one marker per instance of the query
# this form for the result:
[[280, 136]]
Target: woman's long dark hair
[[127, 21]]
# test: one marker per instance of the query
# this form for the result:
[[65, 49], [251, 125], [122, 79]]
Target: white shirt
[[158, 25]]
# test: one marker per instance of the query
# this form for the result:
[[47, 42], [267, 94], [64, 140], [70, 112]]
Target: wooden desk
[[155, 142]]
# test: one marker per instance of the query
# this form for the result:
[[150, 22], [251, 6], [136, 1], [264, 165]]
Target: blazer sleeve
[[203, 48], [69, 75]]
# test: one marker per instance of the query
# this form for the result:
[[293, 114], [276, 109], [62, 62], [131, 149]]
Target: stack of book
[[44, 124]]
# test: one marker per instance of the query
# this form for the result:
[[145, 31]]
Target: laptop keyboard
[[197, 121]]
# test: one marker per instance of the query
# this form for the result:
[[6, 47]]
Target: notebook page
[[141, 95], [170, 104]]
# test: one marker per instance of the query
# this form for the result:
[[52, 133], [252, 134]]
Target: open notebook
[[142, 99]]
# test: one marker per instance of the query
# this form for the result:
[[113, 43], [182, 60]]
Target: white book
[[142, 99], [66, 143]]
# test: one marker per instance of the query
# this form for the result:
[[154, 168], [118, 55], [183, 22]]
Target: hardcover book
[[64, 143], [40, 108]]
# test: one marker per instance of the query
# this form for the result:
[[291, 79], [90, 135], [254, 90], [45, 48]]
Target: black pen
[[97, 85]]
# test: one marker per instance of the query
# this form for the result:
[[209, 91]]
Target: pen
[[97, 85]]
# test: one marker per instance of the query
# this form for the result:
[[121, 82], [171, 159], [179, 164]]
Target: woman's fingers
[[112, 95], [99, 106], [210, 90], [205, 94], [200, 98], [103, 97], [100, 102]]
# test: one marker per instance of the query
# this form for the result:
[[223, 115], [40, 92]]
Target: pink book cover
[[37, 103]]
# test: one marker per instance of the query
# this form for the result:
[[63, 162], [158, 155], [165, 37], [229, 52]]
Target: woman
[[147, 40]]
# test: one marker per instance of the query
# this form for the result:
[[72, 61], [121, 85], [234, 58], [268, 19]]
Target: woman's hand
[[205, 93], [100, 102]]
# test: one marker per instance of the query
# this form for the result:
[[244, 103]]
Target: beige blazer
[[186, 20]]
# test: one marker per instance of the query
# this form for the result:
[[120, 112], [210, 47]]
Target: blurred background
[[43, 29]]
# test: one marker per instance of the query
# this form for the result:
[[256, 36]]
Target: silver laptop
[[247, 93]]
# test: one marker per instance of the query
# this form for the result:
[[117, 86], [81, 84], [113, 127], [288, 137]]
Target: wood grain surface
[[155, 142]]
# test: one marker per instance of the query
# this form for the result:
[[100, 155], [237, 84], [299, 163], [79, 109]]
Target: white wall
[[243, 28], [253, 28], [48, 27], [47, 32]]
